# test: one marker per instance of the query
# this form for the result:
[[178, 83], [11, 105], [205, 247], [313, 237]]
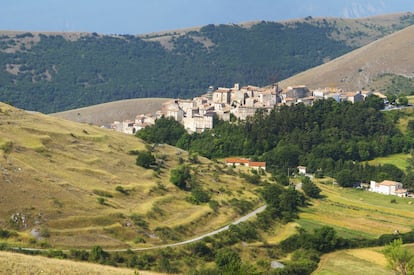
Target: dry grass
[[357, 69], [106, 113], [14, 263], [55, 170], [356, 261]]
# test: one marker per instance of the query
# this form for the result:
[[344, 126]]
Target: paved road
[[242, 219]]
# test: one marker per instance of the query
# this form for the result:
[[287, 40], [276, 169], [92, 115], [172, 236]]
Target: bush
[[245, 231], [120, 189], [165, 233], [101, 200], [7, 147], [139, 221], [180, 176], [200, 249], [214, 205], [251, 178], [102, 193], [198, 196], [228, 261], [145, 159], [241, 206], [98, 255], [5, 234]]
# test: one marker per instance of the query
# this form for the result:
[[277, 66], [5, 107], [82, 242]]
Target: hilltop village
[[197, 114]]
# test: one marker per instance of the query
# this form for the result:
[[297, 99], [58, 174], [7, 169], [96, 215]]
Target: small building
[[222, 95], [302, 170], [257, 165], [237, 161], [388, 187], [246, 162]]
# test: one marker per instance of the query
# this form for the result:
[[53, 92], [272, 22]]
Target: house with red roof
[[246, 162]]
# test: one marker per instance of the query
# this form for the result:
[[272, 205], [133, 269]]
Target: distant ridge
[[54, 72], [393, 54], [106, 113]]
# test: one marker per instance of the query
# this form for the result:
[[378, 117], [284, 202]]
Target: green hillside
[[56, 72]]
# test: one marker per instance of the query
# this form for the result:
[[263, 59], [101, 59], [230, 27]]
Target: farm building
[[388, 187]]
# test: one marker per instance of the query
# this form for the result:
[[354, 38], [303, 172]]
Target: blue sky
[[145, 16]]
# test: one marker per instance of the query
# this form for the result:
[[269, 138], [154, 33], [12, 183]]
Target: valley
[[283, 188]]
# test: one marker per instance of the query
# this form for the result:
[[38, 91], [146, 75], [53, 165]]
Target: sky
[[146, 16]]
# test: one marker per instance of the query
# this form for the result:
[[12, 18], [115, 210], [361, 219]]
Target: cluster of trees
[[332, 138], [215, 255], [282, 204], [56, 74]]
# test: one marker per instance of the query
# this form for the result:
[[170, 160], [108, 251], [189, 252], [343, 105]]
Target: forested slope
[[56, 72]]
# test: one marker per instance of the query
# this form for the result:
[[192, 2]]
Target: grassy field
[[355, 261], [60, 178], [14, 263], [367, 261], [358, 214], [355, 213], [399, 160], [410, 99]]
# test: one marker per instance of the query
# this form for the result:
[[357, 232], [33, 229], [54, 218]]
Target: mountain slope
[[106, 113], [52, 72], [66, 184], [358, 69]]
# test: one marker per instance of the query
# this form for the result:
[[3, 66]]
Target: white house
[[302, 170], [246, 162], [388, 187]]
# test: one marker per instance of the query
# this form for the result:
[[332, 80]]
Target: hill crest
[[358, 69]]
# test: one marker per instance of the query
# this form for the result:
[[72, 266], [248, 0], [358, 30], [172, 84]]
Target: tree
[[98, 255], [399, 258], [145, 159], [290, 200], [408, 180], [228, 261], [391, 97], [198, 195], [310, 188], [165, 130], [180, 176], [324, 239], [375, 102], [402, 100], [345, 178]]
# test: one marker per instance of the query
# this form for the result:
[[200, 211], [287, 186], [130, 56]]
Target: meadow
[[356, 213], [356, 261], [63, 179]]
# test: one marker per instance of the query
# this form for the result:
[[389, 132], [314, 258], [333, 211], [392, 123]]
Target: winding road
[[242, 219]]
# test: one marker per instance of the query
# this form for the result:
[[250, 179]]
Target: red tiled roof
[[257, 164], [237, 160]]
